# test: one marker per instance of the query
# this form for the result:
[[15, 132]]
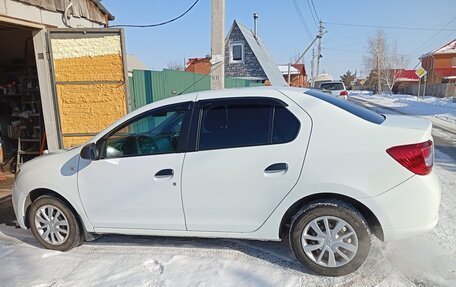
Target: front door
[[135, 183]]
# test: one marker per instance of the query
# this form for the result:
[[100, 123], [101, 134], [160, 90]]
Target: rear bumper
[[408, 209]]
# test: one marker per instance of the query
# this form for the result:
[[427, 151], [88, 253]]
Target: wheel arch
[[372, 220], [38, 192]]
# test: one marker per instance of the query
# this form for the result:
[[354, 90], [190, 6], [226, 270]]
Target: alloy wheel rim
[[329, 241], [51, 224]]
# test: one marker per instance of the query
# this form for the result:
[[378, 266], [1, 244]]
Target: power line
[[360, 51], [311, 13], [199, 80], [158, 24], [434, 7], [302, 19], [389, 27], [315, 10], [433, 36]]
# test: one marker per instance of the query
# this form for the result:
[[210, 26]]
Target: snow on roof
[[449, 48], [284, 70]]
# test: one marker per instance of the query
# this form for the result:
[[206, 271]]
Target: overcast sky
[[286, 31]]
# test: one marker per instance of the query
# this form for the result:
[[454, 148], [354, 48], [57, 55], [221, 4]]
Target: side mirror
[[89, 151]]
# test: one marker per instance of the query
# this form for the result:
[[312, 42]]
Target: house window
[[237, 53], [454, 62]]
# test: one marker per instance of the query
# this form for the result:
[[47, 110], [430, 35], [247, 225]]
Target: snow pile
[[441, 108]]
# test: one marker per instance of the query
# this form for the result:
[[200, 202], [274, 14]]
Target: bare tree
[[395, 64], [175, 65], [376, 59], [384, 62]]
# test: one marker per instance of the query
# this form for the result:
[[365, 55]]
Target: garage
[[62, 76], [21, 119]]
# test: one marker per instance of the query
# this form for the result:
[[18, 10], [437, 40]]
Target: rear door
[[249, 155], [89, 77]]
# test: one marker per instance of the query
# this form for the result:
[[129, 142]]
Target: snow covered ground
[[425, 260], [440, 108]]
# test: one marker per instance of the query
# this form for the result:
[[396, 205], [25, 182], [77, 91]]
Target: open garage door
[[89, 77]]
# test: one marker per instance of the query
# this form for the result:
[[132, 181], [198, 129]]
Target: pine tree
[[347, 78]]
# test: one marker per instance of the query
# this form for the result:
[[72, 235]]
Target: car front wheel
[[53, 224], [330, 238]]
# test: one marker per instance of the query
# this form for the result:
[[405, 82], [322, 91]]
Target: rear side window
[[245, 124], [286, 126], [332, 86], [354, 109]]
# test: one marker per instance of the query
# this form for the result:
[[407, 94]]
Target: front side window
[[157, 132], [237, 125], [237, 52]]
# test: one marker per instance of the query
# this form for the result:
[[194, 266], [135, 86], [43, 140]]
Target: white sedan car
[[335, 88], [257, 163]]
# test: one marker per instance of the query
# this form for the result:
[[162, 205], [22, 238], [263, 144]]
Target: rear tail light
[[343, 93], [418, 158]]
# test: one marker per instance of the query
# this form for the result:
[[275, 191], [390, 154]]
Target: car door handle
[[164, 173], [276, 168]]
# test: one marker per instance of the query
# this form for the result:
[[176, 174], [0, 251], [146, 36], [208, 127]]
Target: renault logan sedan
[[258, 163]]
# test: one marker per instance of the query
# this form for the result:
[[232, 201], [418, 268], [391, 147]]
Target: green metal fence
[[150, 86]]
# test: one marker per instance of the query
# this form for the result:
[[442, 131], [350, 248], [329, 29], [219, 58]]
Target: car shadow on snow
[[252, 252], [277, 254]]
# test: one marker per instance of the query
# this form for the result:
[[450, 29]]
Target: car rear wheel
[[54, 224], [330, 238]]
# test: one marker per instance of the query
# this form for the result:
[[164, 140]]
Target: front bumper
[[18, 200]]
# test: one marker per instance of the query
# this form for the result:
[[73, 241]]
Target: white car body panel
[[123, 192], [56, 171], [346, 156], [229, 190]]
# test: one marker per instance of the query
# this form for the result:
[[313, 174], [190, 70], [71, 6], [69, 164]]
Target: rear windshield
[[332, 86], [354, 109]]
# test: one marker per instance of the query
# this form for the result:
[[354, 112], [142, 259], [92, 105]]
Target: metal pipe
[[255, 24]]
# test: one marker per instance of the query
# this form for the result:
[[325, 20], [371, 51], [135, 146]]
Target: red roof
[[406, 75]]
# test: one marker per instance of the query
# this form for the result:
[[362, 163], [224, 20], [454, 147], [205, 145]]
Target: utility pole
[[312, 67], [218, 44], [320, 34]]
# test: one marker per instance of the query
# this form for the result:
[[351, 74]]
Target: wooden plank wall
[[81, 8]]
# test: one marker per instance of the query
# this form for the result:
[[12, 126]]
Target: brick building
[[441, 64], [199, 65], [298, 76]]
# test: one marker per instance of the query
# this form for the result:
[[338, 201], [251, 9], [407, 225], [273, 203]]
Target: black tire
[[73, 236], [336, 210]]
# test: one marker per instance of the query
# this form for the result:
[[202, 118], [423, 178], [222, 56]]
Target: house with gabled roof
[[247, 57], [440, 64]]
